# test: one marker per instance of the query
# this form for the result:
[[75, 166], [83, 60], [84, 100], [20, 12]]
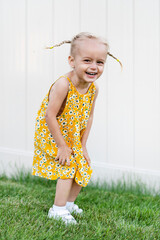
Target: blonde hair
[[81, 36]]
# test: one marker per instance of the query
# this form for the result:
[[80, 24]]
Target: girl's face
[[89, 60]]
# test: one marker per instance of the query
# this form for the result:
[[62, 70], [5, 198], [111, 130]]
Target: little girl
[[63, 124]]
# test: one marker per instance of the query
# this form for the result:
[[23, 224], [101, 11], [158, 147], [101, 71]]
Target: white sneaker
[[65, 215], [74, 209]]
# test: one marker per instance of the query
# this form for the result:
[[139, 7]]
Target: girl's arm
[[90, 120], [57, 95], [87, 130]]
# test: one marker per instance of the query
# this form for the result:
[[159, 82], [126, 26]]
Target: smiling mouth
[[92, 74]]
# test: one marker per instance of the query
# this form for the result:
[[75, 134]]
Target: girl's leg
[[63, 189], [59, 210], [75, 189]]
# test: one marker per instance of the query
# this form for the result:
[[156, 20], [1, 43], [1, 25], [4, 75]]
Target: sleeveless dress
[[72, 122]]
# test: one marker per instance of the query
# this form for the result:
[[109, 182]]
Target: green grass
[[115, 211]]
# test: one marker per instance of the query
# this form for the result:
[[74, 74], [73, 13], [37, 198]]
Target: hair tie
[[49, 47]]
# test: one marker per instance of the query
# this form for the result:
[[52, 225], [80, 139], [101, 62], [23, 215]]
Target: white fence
[[125, 137]]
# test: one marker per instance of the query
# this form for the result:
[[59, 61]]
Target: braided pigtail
[[81, 36], [115, 59], [58, 45]]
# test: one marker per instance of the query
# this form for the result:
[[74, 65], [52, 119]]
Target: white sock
[[58, 208], [69, 204]]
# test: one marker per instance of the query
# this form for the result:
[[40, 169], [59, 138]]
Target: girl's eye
[[86, 60], [101, 63]]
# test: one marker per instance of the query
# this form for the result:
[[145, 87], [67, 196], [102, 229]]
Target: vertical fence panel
[[13, 74], [2, 73], [93, 16], [120, 84], [39, 60], [147, 82]]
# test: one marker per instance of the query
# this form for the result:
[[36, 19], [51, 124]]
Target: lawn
[[116, 211]]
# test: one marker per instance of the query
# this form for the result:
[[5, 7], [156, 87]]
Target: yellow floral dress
[[72, 122]]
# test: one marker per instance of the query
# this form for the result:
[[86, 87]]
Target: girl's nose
[[93, 66]]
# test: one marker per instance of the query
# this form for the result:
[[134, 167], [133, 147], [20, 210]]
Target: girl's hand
[[64, 154], [86, 156]]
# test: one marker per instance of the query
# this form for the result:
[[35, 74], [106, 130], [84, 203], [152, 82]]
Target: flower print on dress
[[72, 123]]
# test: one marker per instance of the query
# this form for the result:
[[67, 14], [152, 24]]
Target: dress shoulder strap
[[65, 77]]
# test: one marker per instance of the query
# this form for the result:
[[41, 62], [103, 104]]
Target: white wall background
[[125, 137]]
